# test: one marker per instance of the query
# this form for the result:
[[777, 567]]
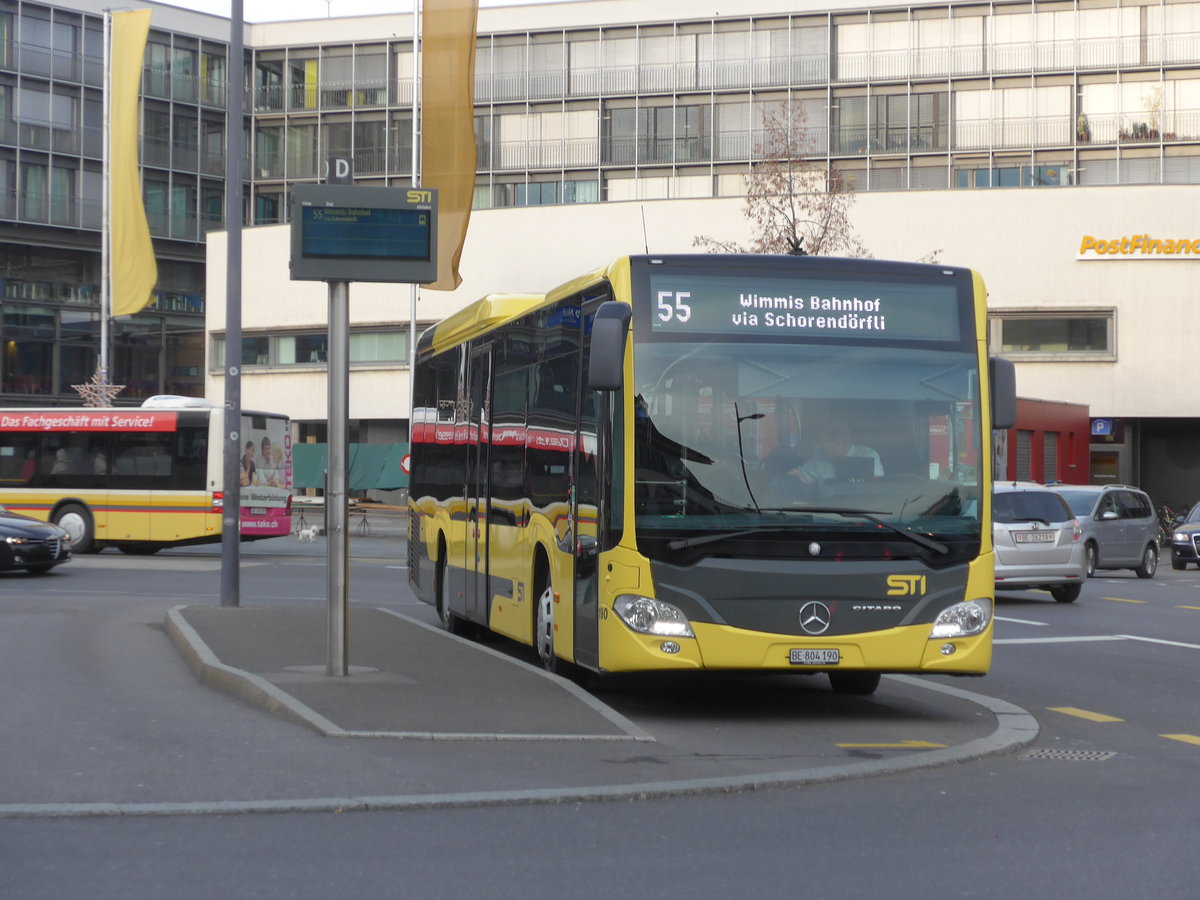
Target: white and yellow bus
[[143, 478], [635, 471]]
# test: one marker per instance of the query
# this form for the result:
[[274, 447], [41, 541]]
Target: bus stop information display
[[803, 307], [354, 233]]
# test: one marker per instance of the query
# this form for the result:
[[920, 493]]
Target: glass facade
[[920, 97]]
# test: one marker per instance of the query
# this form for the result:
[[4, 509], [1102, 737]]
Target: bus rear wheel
[[77, 522], [453, 623], [854, 682]]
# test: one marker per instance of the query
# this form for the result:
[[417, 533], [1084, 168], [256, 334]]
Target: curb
[[1015, 728]]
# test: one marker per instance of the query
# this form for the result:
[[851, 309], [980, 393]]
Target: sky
[[281, 10]]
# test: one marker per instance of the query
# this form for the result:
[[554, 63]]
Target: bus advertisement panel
[[763, 463], [142, 478]]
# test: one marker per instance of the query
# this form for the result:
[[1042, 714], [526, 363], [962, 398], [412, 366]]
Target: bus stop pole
[[337, 563], [231, 434]]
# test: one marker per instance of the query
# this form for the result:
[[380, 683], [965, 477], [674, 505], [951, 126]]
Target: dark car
[[28, 544], [1184, 537]]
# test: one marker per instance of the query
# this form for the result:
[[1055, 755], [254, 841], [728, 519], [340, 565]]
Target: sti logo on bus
[[906, 585], [420, 196]]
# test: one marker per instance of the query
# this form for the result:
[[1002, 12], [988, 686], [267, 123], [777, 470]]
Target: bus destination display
[[364, 232], [804, 308], [349, 232]]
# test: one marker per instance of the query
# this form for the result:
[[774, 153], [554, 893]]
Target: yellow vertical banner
[[134, 271], [448, 125]]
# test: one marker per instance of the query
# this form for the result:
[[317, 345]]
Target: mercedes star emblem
[[815, 617]]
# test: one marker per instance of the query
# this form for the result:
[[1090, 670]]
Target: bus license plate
[[815, 656], [1034, 537]]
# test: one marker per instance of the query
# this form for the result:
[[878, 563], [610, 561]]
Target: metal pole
[[105, 252], [414, 291], [232, 435], [337, 560]]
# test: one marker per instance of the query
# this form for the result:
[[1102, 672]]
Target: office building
[[1053, 146]]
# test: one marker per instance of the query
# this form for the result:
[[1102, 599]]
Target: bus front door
[[479, 381]]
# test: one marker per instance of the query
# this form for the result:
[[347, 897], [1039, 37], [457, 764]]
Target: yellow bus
[[143, 478], [769, 463]]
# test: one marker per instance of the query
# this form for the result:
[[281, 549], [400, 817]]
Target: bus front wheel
[[139, 549], [543, 632], [77, 522], [854, 682]]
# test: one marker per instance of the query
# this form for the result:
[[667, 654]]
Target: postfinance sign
[[1138, 246]]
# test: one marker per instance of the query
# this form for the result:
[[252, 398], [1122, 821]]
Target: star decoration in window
[[97, 392]]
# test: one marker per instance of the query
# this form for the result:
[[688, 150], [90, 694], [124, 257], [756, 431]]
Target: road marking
[[1083, 714], [1121, 600], [1020, 621], [1187, 607], [1134, 637], [1184, 738], [1083, 639], [896, 745]]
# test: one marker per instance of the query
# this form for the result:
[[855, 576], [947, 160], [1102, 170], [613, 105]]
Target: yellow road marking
[[1084, 714], [1121, 600], [898, 745], [1185, 738], [1187, 607]]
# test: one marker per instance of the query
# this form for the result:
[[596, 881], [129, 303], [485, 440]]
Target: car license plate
[[1034, 537], [815, 656]]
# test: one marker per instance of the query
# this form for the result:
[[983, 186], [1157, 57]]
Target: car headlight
[[962, 619], [1179, 537], [646, 615], [17, 540]]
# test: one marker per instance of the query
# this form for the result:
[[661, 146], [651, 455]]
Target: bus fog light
[[669, 647], [646, 615], [962, 619], [948, 649]]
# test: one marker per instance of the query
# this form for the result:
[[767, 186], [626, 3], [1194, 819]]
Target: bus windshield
[[799, 438]]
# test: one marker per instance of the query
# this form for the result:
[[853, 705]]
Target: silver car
[[1037, 541], [1120, 527]]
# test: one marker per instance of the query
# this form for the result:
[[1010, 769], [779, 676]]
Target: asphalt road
[[1103, 804]]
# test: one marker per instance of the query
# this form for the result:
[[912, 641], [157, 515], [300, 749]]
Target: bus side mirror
[[606, 366], [1004, 392]]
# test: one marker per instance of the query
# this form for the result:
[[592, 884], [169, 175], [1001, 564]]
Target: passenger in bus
[[62, 463], [834, 451]]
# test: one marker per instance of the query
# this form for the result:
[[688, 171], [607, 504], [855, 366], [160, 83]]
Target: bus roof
[[481, 316]]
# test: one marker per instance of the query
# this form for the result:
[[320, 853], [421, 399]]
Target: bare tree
[[796, 205]]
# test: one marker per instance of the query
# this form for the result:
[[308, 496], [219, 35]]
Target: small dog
[[308, 534]]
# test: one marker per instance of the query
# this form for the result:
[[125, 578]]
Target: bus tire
[[450, 621], [543, 631], [854, 681], [146, 549], [77, 521]]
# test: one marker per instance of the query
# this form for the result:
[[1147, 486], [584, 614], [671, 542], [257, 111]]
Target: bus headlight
[[962, 619], [646, 615]]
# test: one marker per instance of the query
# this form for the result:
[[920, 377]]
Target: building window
[[1028, 335], [1014, 176], [306, 349]]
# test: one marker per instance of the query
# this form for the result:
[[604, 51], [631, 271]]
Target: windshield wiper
[[687, 543], [870, 516]]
